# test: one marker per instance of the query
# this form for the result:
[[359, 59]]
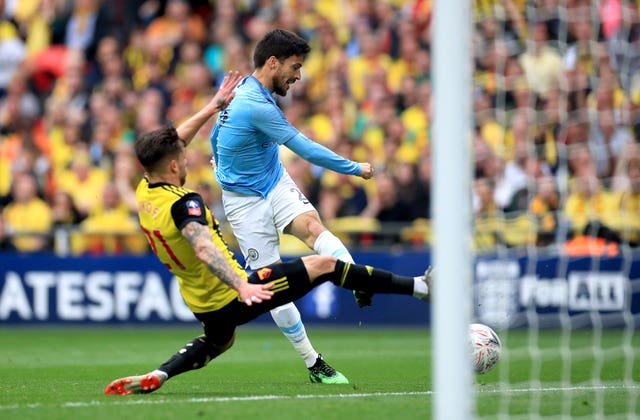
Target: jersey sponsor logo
[[193, 208], [264, 273]]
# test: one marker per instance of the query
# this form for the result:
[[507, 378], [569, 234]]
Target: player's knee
[[315, 228], [306, 227], [215, 350], [318, 265], [328, 263], [223, 345], [218, 349], [215, 346]]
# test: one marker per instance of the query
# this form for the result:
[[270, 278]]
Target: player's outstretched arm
[[199, 237], [188, 129], [326, 158]]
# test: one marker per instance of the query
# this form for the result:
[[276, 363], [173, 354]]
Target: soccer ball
[[485, 347]]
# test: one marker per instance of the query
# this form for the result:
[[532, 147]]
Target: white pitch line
[[557, 389], [151, 401]]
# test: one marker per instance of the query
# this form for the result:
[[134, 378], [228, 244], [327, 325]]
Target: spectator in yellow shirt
[[626, 218], [588, 203], [28, 217], [83, 180], [324, 59], [406, 64], [111, 228], [541, 63], [370, 62]]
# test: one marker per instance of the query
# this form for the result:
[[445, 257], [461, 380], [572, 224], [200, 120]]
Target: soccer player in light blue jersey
[[212, 283], [259, 197]]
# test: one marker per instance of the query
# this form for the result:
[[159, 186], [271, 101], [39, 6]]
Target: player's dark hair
[[154, 146], [281, 44]]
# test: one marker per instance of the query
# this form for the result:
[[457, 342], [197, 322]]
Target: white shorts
[[256, 221]]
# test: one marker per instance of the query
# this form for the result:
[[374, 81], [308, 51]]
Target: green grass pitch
[[61, 372]]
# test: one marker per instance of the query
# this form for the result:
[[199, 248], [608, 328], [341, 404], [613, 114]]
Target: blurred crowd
[[556, 96]]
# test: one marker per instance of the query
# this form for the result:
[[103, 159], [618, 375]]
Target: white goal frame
[[452, 252]]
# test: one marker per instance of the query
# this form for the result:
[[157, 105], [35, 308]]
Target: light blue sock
[[287, 318]]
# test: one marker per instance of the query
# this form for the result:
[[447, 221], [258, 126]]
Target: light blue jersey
[[246, 139]]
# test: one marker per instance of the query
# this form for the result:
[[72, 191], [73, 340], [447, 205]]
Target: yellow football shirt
[[163, 211]]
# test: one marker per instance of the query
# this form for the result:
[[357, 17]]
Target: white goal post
[[452, 252]]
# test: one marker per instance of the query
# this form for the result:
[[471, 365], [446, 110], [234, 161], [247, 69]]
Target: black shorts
[[291, 283]]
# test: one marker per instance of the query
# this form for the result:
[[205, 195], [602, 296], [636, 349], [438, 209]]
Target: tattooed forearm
[[199, 237]]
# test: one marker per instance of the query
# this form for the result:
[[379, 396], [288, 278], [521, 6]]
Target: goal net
[[556, 201]]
